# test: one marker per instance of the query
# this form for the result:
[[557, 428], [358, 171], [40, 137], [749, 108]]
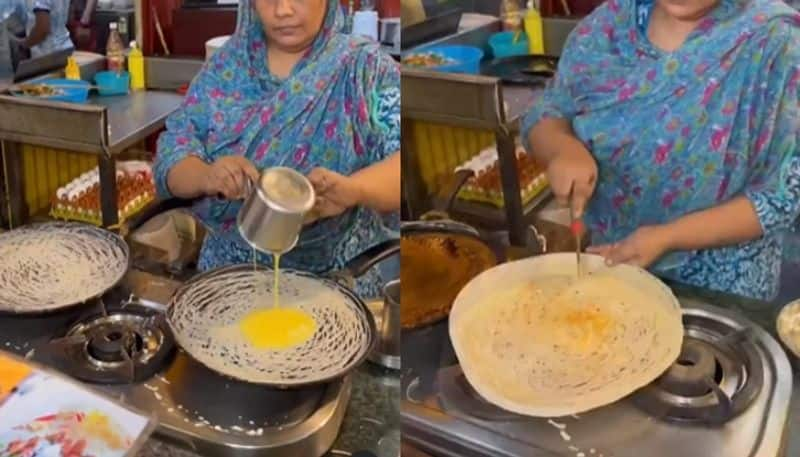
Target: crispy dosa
[[534, 339]]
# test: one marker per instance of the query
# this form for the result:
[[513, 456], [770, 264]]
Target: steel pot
[[387, 350]]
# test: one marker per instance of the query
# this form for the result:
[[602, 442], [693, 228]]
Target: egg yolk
[[278, 328]]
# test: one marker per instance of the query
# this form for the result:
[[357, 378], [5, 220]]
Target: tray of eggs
[[79, 200], [486, 186]]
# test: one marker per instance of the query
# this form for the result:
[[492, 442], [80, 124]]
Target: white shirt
[[58, 38]]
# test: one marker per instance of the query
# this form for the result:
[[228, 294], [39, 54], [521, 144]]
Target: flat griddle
[[528, 70]]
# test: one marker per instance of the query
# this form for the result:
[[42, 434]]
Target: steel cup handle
[[249, 186]]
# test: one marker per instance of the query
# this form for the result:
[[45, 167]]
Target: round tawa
[[205, 312], [436, 266], [50, 266], [534, 339]]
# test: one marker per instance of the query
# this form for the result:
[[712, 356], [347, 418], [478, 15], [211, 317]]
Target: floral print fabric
[[339, 109], [679, 132]]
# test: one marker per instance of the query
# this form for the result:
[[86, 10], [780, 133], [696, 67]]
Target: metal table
[[105, 127]]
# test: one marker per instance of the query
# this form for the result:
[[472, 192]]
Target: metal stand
[[468, 101], [105, 128]]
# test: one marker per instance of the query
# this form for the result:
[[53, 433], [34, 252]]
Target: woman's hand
[[642, 248], [573, 171], [335, 193], [228, 176]]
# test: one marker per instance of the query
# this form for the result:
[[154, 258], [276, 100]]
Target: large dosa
[[48, 266], [533, 339]]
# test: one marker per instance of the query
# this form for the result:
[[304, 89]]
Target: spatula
[[576, 227]]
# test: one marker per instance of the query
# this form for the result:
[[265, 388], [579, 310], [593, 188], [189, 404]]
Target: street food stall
[[106, 324], [464, 381]]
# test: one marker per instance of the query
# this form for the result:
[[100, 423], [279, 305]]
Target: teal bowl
[[112, 83], [503, 44]]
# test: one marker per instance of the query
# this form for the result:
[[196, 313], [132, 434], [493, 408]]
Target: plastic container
[[467, 58], [73, 91], [72, 71], [503, 45], [115, 50], [112, 83], [136, 67]]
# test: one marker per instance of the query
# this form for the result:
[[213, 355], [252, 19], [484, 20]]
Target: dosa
[[540, 343]]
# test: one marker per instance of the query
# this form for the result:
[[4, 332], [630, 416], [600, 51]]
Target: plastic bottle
[[72, 71], [533, 29], [511, 15], [136, 67], [115, 50]]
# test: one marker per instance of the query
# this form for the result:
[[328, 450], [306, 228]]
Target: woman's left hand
[[335, 193], [642, 248]]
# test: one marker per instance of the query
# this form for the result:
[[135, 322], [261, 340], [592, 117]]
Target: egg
[[277, 328]]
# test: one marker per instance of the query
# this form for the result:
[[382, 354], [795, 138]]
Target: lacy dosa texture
[[205, 316], [534, 340], [47, 266]]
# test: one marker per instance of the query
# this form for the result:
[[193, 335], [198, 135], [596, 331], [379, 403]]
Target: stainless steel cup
[[387, 351], [272, 215]]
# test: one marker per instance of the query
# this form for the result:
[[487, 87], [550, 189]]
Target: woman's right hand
[[573, 170], [228, 176]]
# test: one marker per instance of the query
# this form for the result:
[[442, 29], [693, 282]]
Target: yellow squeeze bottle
[[136, 67], [72, 71], [533, 29]]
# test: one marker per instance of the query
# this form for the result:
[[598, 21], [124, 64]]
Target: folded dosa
[[552, 345]]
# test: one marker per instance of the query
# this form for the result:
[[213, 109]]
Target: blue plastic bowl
[[112, 83], [467, 58], [72, 91], [503, 45]]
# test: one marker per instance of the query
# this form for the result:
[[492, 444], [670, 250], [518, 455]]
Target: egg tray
[[94, 217], [528, 193]]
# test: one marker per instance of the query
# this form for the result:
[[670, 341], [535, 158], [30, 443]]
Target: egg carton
[[485, 160], [64, 204]]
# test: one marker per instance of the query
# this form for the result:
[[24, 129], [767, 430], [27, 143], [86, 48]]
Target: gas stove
[[121, 345], [727, 395]]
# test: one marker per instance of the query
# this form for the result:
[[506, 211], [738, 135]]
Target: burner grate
[[118, 346], [716, 377]]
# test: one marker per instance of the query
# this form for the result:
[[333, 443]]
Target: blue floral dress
[[339, 109], [679, 132]]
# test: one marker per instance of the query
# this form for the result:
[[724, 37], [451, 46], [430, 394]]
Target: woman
[[290, 89], [676, 122], [46, 25]]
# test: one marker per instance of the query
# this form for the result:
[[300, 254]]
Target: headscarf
[[326, 113], [679, 132]]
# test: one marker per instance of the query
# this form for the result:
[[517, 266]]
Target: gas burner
[[120, 346], [457, 395], [718, 374]]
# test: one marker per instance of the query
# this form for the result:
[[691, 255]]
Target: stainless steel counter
[[133, 117]]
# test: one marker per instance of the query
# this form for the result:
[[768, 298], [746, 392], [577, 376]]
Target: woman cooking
[[675, 125], [290, 89]]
